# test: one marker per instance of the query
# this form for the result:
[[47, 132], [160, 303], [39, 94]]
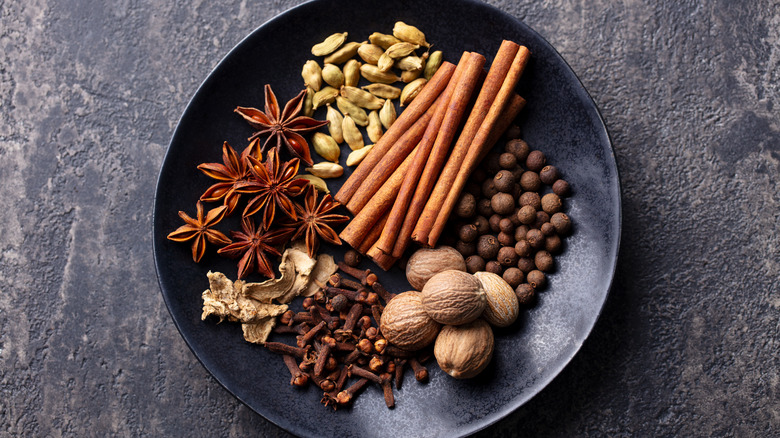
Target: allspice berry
[[553, 244], [495, 221], [514, 277], [482, 224], [543, 261], [535, 238], [551, 203], [468, 232], [526, 295], [502, 203], [507, 256], [520, 232], [352, 258], [561, 188], [467, 206], [494, 267], [536, 279], [531, 198], [506, 225], [535, 161], [474, 264], [466, 249], [526, 264], [526, 215], [530, 181], [484, 208], [547, 229], [541, 218], [507, 161], [561, 222], [518, 148], [549, 174], [489, 188], [505, 239], [487, 247], [523, 248], [504, 181]]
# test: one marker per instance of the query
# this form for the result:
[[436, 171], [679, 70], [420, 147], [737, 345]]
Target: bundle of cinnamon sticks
[[407, 186]]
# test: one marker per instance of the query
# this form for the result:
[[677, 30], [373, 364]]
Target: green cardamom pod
[[332, 75], [411, 90], [383, 40], [352, 73], [335, 119], [433, 64], [352, 134], [326, 146], [362, 98], [411, 34], [407, 63], [374, 128], [383, 90], [312, 75], [316, 181], [387, 114], [308, 102], [323, 97], [330, 44], [373, 74], [357, 113], [400, 50], [410, 75], [340, 56], [326, 169], [370, 53], [355, 157]]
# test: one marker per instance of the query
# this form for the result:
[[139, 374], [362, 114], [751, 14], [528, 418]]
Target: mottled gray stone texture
[[687, 344]]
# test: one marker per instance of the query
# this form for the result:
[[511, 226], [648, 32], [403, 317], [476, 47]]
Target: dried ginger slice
[[225, 300], [274, 288], [324, 268], [258, 333], [304, 265]]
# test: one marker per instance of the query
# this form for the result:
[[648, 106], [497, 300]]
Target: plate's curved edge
[[289, 426], [592, 109], [595, 113]]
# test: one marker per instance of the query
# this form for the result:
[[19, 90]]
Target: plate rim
[[591, 108]]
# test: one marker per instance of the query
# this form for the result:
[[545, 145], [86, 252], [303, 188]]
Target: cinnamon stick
[[432, 132], [481, 142], [513, 108], [422, 188], [408, 117], [493, 82], [373, 235], [383, 260]]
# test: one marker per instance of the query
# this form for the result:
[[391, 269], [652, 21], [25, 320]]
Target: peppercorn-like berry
[[526, 295], [553, 244], [526, 264], [489, 188], [543, 261], [506, 239], [514, 277], [492, 163], [549, 174], [523, 248], [551, 203], [504, 181], [526, 215], [541, 219], [506, 226], [484, 208], [495, 222], [479, 175], [535, 161], [507, 161], [494, 267], [339, 303], [352, 258], [520, 232], [561, 188], [518, 148], [502, 203], [530, 181], [535, 238], [512, 132], [482, 224], [531, 198], [547, 229], [467, 206], [536, 279], [466, 249], [562, 223], [467, 233], [474, 264], [487, 247]]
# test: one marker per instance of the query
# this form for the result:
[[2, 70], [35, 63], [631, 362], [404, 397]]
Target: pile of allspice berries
[[509, 219], [334, 84]]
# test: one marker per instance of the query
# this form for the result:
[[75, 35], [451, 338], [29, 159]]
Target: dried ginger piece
[[324, 268], [258, 333], [304, 265], [274, 288], [226, 300]]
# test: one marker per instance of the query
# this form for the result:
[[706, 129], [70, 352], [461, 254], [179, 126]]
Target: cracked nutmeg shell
[[463, 351], [454, 297], [405, 324]]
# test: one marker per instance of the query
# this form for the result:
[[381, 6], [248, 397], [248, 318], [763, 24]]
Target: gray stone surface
[[688, 342]]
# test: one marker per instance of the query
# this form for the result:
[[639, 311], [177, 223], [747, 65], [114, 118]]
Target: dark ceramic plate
[[560, 119]]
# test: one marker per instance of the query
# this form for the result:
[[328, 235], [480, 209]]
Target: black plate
[[560, 119]]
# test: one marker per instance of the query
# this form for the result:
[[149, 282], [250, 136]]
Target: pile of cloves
[[338, 338]]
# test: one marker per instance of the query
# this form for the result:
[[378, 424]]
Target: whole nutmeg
[[561, 222], [405, 324], [530, 198], [551, 203], [489, 188], [502, 203], [484, 208], [526, 215], [466, 350], [504, 181], [487, 247], [494, 267], [467, 232], [466, 249], [561, 188], [502, 307], [518, 148], [507, 161], [467, 206], [536, 279], [513, 276], [474, 264], [482, 224], [530, 181], [535, 161], [549, 174], [507, 256], [453, 297], [426, 262]]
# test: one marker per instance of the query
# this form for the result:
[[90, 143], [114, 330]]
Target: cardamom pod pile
[[333, 85]]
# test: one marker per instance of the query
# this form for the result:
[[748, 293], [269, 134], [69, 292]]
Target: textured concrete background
[[687, 344]]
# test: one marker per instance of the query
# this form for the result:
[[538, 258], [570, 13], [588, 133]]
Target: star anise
[[253, 244], [200, 230], [274, 184], [284, 127], [233, 171], [314, 221]]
